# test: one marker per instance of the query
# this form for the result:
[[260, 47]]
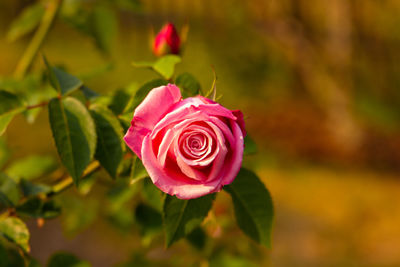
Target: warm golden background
[[319, 84]]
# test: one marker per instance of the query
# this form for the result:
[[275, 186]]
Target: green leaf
[[110, 146], [26, 21], [188, 84], [149, 218], [197, 238], [223, 259], [16, 231], [30, 189], [165, 66], [119, 101], [89, 93], [181, 217], [151, 193], [37, 208], [9, 192], [63, 82], [141, 94], [78, 213], [65, 259], [31, 167], [250, 146], [9, 254], [253, 206], [34, 263], [10, 105], [103, 27], [138, 171], [129, 5], [120, 194], [74, 133], [67, 82], [4, 152]]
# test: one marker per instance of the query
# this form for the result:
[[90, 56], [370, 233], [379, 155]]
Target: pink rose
[[167, 41], [190, 147]]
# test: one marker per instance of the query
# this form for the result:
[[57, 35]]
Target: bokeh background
[[319, 84]]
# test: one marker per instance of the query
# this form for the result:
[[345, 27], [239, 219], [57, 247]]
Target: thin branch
[[42, 104], [27, 58], [68, 181]]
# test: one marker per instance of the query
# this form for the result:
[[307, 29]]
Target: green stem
[[42, 104], [68, 182], [27, 58]]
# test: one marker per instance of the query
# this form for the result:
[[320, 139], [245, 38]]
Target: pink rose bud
[[190, 147], [167, 41]]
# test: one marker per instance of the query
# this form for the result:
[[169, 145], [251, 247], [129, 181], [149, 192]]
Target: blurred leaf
[[137, 259], [125, 120], [197, 238], [103, 26], [188, 84], [9, 192], [38, 208], [4, 152], [89, 93], [78, 213], [250, 146], [16, 231], [34, 263], [5, 203], [253, 206], [120, 194], [226, 260], [181, 217], [138, 171], [122, 218], [31, 167], [165, 66], [97, 71], [27, 20], [110, 146], [125, 168], [63, 82], [141, 94], [9, 255], [10, 105], [119, 100], [31, 90], [65, 259], [86, 185], [151, 193], [149, 218], [132, 5], [74, 133], [143, 64], [30, 189]]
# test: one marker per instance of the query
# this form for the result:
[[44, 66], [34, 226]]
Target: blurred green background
[[319, 84]]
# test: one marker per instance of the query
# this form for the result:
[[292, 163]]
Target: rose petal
[[149, 113], [171, 183], [233, 166], [240, 120], [189, 108]]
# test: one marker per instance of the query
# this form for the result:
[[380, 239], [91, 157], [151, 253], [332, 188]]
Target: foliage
[[87, 130]]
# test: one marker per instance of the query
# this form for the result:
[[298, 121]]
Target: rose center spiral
[[196, 143]]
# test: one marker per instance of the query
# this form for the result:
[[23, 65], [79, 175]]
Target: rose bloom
[[167, 41], [190, 147]]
